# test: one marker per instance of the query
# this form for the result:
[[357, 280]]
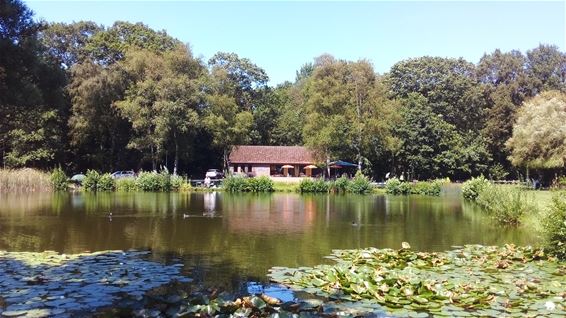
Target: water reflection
[[233, 237]]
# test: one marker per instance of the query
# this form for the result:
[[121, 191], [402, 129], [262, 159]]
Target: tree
[[548, 67], [30, 91], [66, 43], [539, 134], [346, 111], [161, 101], [431, 147], [450, 86], [110, 46], [98, 135], [244, 80]]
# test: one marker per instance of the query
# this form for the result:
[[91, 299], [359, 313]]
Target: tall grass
[[239, 184], [432, 188], [506, 204], [554, 223], [24, 180]]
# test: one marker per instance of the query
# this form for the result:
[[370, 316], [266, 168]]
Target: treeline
[[86, 96]]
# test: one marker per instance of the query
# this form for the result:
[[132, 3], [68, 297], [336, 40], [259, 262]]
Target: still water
[[226, 239]]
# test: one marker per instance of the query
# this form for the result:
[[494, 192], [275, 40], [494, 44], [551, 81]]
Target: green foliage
[[260, 184], [59, 179], [397, 187], [341, 184], [126, 184], [153, 181], [506, 204], [402, 280], [554, 223], [105, 183], [314, 186], [235, 184], [177, 182], [241, 184], [472, 188], [90, 182], [360, 184]]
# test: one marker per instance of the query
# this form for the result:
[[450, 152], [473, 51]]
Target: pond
[[228, 240]]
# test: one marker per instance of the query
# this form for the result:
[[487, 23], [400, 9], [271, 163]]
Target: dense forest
[[83, 95]]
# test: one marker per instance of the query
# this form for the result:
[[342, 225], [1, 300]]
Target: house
[[275, 161]]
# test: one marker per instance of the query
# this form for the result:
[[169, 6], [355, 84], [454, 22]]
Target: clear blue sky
[[282, 36]]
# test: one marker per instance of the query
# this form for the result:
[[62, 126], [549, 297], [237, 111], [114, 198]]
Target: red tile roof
[[271, 155]]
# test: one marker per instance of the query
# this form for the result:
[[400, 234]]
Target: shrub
[[126, 184], [554, 223], [433, 188], [260, 184], [185, 187], [314, 186], [505, 204], [59, 179], [341, 184], [105, 183], [176, 182], [360, 184], [235, 184], [472, 188], [396, 186], [90, 181], [153, 181]]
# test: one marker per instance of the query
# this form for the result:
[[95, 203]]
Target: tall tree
[[245, 80], [450, 86], [548, 67], [66, 43], [162, 100], [30, 91], [224, 119]]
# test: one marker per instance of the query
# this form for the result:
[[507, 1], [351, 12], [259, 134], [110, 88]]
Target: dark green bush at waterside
[[105, 183], [58, 179], [125, 185], [314, 186], [153, 181], [554, 223], [360, 184], [240, 184], [471, 189], [398, 187], [90, 181]]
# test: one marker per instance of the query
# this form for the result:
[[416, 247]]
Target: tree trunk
[[176, 154]]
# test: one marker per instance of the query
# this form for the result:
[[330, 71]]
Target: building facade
[[274, 161]]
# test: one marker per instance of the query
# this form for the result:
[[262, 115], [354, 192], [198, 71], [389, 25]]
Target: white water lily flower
[[550, 305]]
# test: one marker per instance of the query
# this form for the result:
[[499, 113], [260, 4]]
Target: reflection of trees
[[255, 231]]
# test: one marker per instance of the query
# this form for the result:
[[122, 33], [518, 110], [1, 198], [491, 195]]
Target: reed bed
[[24, 180]]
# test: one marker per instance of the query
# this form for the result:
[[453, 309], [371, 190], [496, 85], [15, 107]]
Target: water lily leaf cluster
[[51, 284], [472, 280]]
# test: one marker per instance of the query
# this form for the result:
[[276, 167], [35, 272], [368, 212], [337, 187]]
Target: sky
[[282, 36]]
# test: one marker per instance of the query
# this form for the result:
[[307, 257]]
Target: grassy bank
[[24, 180]]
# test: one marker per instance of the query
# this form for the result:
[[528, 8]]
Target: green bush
[[235, 184], [105, 183], [554, 223], [260, 184], [90, 181], [397, 187], [153, 181], [472, 188], [341, 184], [176, 182], [59, 179], [432, 188], [126, 184], [505, 204], [241, 184], [314, 186], [360, 184]]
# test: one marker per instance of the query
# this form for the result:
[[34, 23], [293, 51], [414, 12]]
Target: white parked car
[[214, 174]]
